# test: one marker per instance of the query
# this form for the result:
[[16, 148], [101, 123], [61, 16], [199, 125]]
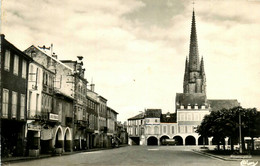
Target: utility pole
[[240, 135]]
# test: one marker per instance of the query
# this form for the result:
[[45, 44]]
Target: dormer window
[[196, 106]]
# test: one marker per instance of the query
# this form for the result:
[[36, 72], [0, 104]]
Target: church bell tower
[[194, 76]]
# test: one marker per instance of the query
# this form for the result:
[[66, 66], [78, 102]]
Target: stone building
[[14, 66], [81, 119], [191, 107], [151, 127], [50, 103]]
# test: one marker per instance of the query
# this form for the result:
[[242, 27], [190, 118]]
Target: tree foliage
[[225, 123]]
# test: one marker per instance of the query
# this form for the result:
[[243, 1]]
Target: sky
[[135, 50]]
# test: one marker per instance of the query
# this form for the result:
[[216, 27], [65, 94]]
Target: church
[[152, 127]]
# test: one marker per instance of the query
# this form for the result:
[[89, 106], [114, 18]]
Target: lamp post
[[240, 134]]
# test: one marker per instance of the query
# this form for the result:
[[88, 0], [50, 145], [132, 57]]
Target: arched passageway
[[67, 141], [190, 140], [152, 141], [179, 140], [203, 141], [163, 139], [58, 139]]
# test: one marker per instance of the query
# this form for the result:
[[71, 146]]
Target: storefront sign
[[54, 117], [34, 127]]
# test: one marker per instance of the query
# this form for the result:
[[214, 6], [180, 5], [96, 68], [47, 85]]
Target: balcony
[[82, 124]]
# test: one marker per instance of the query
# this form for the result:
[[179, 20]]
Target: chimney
[[54, 56], [92, 87]]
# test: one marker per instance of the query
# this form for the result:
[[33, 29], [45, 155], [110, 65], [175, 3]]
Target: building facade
[[191, 107], [13, 87]]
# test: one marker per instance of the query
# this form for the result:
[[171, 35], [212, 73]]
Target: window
[[22, 106], [29, 103], [38, 75], [16, 64], [196, 117], [164, 129], [189, 117], [148, 130], [37, 103], [5, 102], [14, 104], [172, 129], [24, 69], [182, 117], [7, 60], [182, 129], [31, 73], [156, 130], [189, 129]]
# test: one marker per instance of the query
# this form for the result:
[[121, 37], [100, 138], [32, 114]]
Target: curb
[[215, 156], [21, 159]]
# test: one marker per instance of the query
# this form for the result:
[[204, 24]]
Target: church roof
[[153, 113], [191, 99], [216, 105]]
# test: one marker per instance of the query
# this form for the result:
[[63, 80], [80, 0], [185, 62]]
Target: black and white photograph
[[130, 83]]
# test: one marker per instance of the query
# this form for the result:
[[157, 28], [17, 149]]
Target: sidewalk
[[228, 157], [22, 158]]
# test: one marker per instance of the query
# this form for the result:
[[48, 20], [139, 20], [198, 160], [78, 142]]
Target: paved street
[[132, 155]]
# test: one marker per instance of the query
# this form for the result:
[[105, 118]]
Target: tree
[[224, 123]]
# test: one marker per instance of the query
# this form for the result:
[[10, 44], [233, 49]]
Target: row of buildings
[[47, 105], [151, 127]]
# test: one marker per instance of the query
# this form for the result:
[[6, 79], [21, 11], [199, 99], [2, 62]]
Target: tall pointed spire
[[194, 52], [194, 76]]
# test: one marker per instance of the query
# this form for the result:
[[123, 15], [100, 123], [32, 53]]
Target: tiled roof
[[171, 119], [221, 104], [153, 113], [186, 99], [139, 116]]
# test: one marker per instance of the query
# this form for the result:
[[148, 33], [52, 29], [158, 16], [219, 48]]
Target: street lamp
[[240, 134]]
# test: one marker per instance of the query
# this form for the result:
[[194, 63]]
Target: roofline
[[58, 61], [15, 48]]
